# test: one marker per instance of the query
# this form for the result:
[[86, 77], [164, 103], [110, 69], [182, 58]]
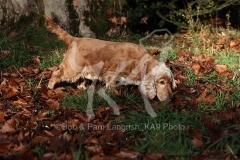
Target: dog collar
[[143, 71]]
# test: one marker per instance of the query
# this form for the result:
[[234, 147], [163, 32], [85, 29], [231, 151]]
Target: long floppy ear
[[147, 86]]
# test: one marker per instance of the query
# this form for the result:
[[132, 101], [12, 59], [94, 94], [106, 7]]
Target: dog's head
[[158, 82]]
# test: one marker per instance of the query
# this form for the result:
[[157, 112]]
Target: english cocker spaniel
[[111, 62]]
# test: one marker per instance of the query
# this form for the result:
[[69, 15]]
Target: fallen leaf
[[120, 136], [56, 93], [109, 13], [196, 67], [53, 104], [8, 127], [2, 116], [20, 101], [221, 40], [14, 75], [42, 115], [24, 69], [102, 157], [94, 148], [113, 19], [36, 70], [47, 133], [129, 154], [155, 50], [181, 77], [220, 68], [154, 156], [53, 68], [12, 92], [48, 156], [197, 142], [196, 136], [36, 60], [206, 98], [144, 20], [123, 20], [13, 84], [234, 42]]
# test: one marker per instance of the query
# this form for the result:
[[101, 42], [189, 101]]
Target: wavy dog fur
[[111, 62]]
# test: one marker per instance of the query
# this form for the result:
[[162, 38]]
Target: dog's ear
[[147, 86]]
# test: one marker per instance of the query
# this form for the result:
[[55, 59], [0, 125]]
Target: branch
[[224, 5], [170, 21]]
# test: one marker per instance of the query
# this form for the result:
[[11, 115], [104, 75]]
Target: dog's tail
[[53, 27]]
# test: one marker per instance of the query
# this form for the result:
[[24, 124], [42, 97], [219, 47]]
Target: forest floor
[[202, 120]]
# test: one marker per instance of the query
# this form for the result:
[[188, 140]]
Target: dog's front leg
[[56, 77]]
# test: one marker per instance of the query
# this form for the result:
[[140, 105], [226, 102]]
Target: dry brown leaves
[[118, 24], [27, 121], [202, 66]]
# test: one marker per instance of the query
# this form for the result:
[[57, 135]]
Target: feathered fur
[[110, 62]]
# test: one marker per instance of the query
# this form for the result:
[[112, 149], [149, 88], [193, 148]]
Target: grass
[[229, 58], [218, 105], [39, 150], [228, 143], [81, 100], [165, 133], [33, 40], [50, 59], [191, 77], [169, 131]]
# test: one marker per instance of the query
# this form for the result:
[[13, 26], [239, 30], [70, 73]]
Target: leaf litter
[[31, 115]]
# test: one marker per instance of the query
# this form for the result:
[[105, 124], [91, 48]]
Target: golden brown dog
[[111, 62]]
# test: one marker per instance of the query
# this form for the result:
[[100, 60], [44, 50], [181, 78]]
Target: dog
[[111, 62]]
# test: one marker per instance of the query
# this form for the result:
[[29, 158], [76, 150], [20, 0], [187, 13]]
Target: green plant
[[51, 112], [81, 100], [98, 23], [229, 58], [74, 19], [228, 143], [50, 59], [166, 133], [39, 149], [31, 83], [220, 101], [183, 14], [33, 39], [172, 54], [191, 77]]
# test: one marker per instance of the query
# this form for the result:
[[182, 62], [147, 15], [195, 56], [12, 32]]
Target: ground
[[200, 122]]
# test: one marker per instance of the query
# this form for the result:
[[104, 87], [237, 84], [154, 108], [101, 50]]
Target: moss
[[96, 18], [74, 19], [22, 22]]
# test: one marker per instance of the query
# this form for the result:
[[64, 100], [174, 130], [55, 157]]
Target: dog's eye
[[162, 82]]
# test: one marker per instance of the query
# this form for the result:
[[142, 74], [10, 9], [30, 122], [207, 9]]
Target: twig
[[40, 79], [235, 74], [18, 71], [231, 151]]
